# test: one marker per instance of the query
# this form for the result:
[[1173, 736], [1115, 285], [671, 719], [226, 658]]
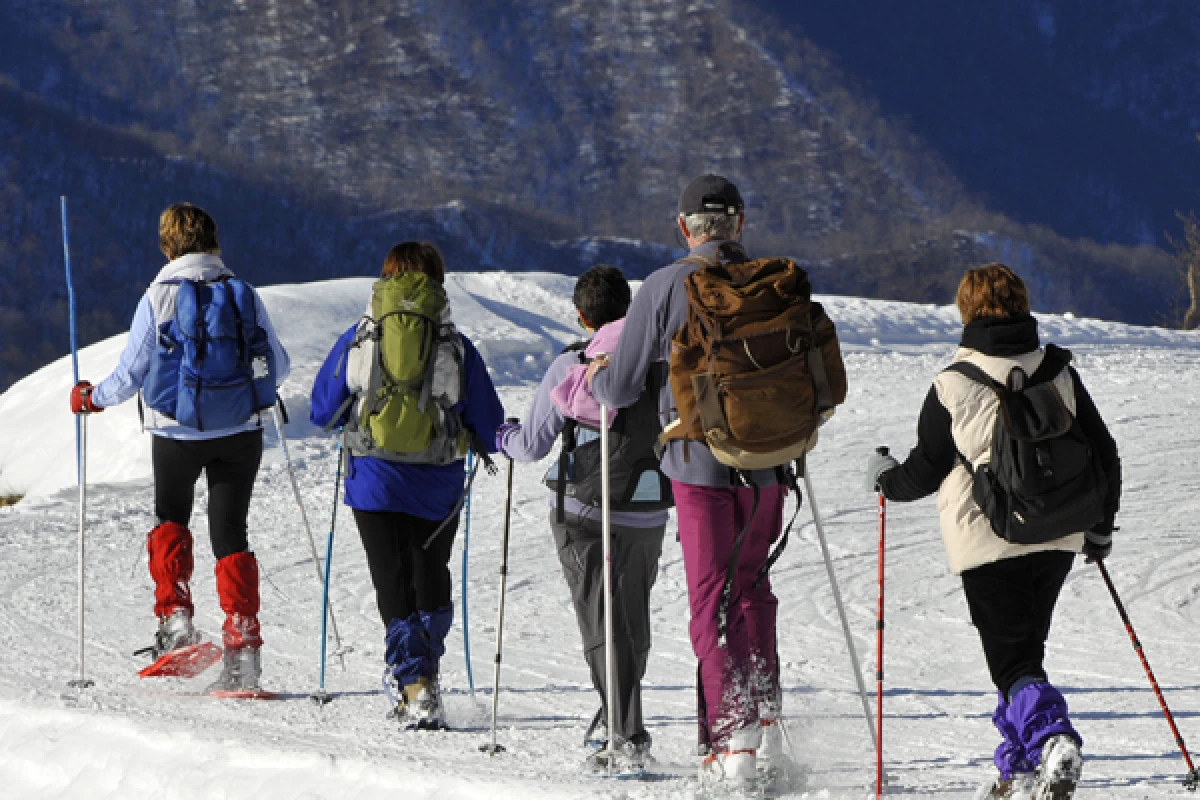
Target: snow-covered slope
[[130, 738]]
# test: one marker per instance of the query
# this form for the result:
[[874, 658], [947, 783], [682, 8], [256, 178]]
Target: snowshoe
[[1060, 770], [241, 674], [1018, 787], [184, 662], [420, 707]]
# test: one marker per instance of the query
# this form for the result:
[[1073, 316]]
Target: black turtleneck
[[931, 460]]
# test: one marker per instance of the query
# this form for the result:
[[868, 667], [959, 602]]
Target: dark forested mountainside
[[1074, 114], [517, 134]]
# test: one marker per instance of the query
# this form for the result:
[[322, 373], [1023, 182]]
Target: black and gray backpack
[[635, 481], [1044, 480]]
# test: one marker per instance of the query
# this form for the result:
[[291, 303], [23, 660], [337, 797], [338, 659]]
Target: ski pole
[[883, 451], [82, 681], [321, 697], [837, 599], [341, 651], [610, 654], [466, 549], [493, 748], [1192, 780]]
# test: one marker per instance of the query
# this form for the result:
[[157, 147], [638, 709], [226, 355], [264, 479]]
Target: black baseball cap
[[711, 194]]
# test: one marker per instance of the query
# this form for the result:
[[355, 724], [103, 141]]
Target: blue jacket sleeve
[[330, 392], [481, 409], [131, 371]]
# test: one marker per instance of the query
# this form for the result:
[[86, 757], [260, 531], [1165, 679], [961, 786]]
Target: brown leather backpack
[[757, 364]]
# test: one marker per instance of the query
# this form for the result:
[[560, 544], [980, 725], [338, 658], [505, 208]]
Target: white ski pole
[[341, 651], [493, 748], [610, 655], [837, 599], [82, 681]]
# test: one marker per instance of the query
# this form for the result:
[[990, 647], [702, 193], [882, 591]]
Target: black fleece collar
[[1002, 336]]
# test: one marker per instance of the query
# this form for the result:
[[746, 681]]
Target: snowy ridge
[[130, 738]]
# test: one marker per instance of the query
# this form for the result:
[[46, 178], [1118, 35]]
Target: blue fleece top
[[427, 491]]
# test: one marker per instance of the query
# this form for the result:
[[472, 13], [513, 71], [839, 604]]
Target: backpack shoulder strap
[[974, 373], [578, 347], [1053, 363]]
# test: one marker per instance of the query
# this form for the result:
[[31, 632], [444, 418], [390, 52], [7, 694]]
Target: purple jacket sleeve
[[641, 344], [535, 437]]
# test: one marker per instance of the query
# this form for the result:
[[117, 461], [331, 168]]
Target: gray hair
[[708, 225]]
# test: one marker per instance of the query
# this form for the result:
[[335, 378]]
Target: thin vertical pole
[[80, 447], [610, 650], [1192, 780], [321, 697], [466, 550], [841, 609], [879, 655], [493, 748]]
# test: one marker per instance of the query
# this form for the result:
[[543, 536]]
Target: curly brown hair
[[992, 290], [184, 228]]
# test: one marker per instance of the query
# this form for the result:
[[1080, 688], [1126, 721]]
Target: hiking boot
[[1060, 769], [420, 707], [630, 756], [174, 631], [773, 762], [241, 671], [596, 736], [735, 766], [1018, 787]]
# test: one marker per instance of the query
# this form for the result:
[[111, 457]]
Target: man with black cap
[[738, 686]]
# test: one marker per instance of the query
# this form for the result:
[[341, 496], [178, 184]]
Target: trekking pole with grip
[[321, 696], [82, 681], [837, 599], [466, 549], [1192, 780], [610, 655], [883, 451], [280, 420], [493, 748]]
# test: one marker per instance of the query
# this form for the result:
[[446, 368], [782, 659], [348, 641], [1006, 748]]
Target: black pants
[[230, 464], [635, 566], [1011, 604], [406, 576]]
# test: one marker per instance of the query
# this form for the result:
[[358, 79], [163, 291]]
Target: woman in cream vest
[[1011, 589]]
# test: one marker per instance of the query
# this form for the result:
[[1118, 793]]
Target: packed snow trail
[[133, 738]]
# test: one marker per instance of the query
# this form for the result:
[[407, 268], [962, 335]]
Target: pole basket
[[1192, 781], [321, 698]]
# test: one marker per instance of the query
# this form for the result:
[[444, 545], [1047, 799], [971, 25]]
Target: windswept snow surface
[[128, 738]]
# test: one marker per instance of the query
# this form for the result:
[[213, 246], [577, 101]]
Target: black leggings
[[230, 464], [407, 577], [1012, 602]]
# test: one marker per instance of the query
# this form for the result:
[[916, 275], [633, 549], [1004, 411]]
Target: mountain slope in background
[[523, 134]]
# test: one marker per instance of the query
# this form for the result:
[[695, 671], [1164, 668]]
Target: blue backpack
[[213, 367]]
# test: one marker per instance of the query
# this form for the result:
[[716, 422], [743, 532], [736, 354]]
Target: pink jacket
[[573, 397]]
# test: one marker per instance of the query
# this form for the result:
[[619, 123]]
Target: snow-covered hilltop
[[131, 738]]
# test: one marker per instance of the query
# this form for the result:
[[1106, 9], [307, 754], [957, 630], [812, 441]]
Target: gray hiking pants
[[635, 566]]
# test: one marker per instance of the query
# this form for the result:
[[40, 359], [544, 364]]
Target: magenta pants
[[735, 682]]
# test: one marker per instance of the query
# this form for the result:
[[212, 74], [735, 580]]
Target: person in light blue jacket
[[161, 353], [407, 513]]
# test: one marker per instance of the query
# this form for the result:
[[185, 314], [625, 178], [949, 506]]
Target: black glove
[[1097, 543]]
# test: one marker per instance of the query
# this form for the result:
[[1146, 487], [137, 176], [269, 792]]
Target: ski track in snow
[[129, 738]]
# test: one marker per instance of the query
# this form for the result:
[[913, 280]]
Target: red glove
[[81, 399]]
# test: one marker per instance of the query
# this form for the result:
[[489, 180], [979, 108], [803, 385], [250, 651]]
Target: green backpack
[[405, 368]]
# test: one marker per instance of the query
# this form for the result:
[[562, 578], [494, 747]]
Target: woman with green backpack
[[412, 395]]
